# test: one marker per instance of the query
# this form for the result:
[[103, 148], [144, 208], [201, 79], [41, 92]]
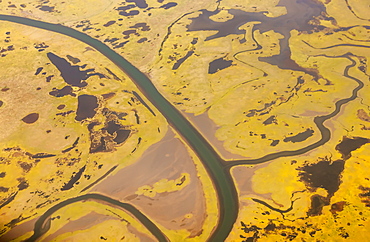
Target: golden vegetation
[[52, 158], [259, 107]]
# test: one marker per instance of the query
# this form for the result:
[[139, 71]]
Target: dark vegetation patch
[[47, 8], [6, 49], [73, 180], [300, 136], [141, 26], [72, 147], [317, 204], [9, 199], [124, 8], [362, 114], [127, 33], [168, 5], [117, 130], [181, 60], [347, 145], [204, 23], [142, 40], [41, 155], [38, 70], [120, 115], [111, 135], [67, 90], [130, 13], [31, 118], [73, 59], [40, 47], [253, 233], [61, 106], [109, 23], [108, 95], [25, 166], [86, 24], [337, 207], [270, 120], [111, 40], [87, 105], [23, 184], [48, 78], [72, 74], [139, 3], [4, 189], [365, 195], [121, 135], [275, 142], [120, 45], [324, 174], [218, 64]]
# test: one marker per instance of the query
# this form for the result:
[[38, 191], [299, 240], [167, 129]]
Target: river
[[217, 168], [222, 180]]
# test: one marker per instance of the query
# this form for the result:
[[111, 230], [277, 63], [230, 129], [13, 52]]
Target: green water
[[225, 188], [43, 223]]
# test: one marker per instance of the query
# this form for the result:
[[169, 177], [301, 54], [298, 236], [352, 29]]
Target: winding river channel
[[42, 225], [217, 168], [225, 188]]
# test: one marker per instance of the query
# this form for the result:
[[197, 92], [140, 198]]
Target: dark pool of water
[[87, 105]]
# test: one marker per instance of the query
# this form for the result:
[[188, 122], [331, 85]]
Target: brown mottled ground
[[165, 159], [208, 129]]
